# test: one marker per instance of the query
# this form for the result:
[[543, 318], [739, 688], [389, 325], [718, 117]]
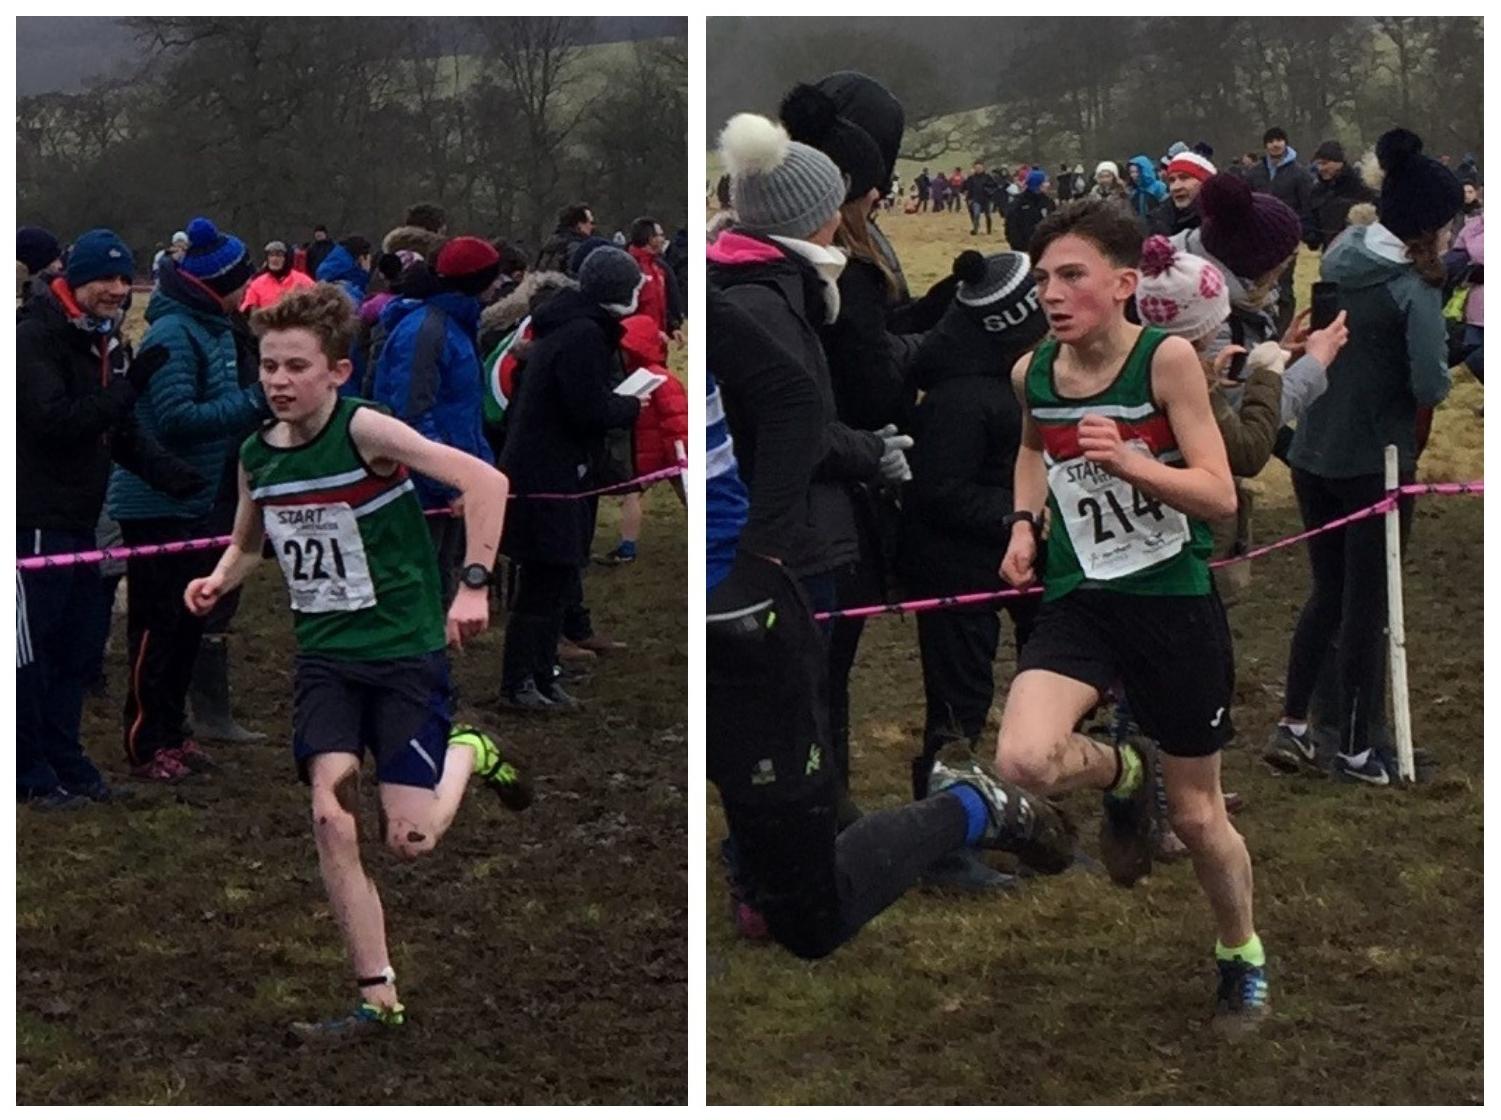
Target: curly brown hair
[[1423, 252], [323, 309]]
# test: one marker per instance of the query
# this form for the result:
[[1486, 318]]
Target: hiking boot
[[163, 767], [964, 870], [1241, 1003], [527, 698], [1289, 751], [599, 643], [192, 757], [1016, 821], [367, 1021], [57, 801], [1365, 767], [502, 777], [622, 553], [1126, 827]]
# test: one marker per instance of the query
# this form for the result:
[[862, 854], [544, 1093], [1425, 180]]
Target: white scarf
[[828, 262]]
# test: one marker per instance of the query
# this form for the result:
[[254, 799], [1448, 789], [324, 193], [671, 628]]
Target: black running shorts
[[1171, 653], [401, 710]]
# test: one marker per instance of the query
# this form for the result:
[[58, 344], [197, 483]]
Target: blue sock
[[626, 548], [976, 814]]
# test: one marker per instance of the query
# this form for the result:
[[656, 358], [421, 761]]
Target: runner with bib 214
[[1120, 447]]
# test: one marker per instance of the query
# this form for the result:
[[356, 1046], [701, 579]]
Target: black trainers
[[1017, 821], [1289, 751], [1369, 770], [560, 699], [1241, 1002], [1126, 832], [964, 870]]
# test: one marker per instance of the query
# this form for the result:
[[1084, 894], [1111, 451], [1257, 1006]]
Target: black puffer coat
[[556, 428], [783, 293]]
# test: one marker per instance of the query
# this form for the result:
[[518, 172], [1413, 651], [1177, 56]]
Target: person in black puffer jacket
[[555, 428], [954, 532]]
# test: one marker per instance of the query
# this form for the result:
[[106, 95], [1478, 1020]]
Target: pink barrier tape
[[199, 544], [946, 602]]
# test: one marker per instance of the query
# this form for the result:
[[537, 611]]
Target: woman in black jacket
[[814, 884], [954, 527], [555, 427]]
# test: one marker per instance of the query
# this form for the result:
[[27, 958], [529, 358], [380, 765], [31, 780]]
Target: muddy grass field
[[163, 948], [1074, 991]]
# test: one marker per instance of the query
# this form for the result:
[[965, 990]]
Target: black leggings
[[816, 886], [766, 679], [1347, 604]]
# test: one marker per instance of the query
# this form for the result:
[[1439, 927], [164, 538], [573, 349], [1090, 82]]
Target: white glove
[[894, 466]]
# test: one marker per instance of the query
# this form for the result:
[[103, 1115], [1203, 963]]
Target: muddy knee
[[408, 841], [334, 828]]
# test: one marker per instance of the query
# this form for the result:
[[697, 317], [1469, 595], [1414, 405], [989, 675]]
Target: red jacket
[[663, 420], [653, 299]]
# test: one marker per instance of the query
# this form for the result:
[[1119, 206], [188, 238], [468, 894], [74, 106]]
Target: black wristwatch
[[1010, 520], [475, 576]]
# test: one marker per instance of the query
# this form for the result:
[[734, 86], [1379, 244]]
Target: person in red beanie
[[1186, 172], [428, 373]]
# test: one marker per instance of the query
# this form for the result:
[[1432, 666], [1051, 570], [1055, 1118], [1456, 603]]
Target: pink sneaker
[[192, 757], [163, 767], [750, 923]]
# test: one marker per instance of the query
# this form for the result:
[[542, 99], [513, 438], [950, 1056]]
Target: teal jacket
[[194, 405], [1395, 361]]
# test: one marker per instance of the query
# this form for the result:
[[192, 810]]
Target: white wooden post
[[1396, 631]]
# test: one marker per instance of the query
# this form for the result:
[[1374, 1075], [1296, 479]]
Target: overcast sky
[[57, 52]]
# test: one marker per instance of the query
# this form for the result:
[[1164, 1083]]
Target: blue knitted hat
[[220, 260], [97, 254]]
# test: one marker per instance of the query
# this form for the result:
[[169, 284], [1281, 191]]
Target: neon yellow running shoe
[[509, 784]]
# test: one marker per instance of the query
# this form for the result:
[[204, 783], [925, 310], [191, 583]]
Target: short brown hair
[[323, 309], [1104, 223]]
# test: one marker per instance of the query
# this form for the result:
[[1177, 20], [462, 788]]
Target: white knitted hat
[[1182, 294]]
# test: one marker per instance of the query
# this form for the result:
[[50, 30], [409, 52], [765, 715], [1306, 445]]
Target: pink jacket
[[266, 289], [1472, 240]]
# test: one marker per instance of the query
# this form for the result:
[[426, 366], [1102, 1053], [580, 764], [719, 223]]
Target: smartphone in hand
[[1325, 305]]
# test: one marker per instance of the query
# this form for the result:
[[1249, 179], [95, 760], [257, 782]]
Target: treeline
[[1091, 87], [272, 125]]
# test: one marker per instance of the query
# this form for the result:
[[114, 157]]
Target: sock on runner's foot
[[486, 754], [1130, 777], [1251, 952], [975, 814]]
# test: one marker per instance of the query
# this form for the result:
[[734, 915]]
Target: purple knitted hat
[[1251, 232]]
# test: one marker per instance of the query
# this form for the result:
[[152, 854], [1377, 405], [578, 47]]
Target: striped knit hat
[[1191, 163], [220, 260], [778, 187]]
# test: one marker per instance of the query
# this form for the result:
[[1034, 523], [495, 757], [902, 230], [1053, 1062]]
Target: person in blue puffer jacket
[[196, 408], [349, 264], [428, 374]]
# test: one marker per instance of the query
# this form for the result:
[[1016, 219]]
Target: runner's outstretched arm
[[1202, 487], [239, 559]]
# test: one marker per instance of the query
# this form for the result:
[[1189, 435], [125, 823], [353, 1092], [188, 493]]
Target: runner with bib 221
[[1119, 445]]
